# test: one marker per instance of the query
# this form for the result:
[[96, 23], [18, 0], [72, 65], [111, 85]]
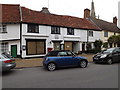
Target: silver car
[[7, 62]]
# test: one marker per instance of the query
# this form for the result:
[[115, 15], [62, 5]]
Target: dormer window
[[33, 28], [70, 31], [3, 29]]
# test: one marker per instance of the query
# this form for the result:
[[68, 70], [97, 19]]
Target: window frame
[[4, 47], [105, 33], [70, 31], [33, 28], [3, 28], [55, 30], [36, 46], [90, 33]]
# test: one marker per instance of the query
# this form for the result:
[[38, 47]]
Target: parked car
[[7, 62], [63, 58], [109, 56]]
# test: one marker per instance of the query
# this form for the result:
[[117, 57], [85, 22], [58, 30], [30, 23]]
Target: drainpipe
[[20, 31], [87, 40]]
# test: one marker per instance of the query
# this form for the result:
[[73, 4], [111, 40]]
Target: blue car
[[63, 58]]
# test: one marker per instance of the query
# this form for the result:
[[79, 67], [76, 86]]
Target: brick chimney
[[45, 10], [115, 20], [86, 13]]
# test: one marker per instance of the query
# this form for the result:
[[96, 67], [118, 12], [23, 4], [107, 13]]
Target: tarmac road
[[94, 76]]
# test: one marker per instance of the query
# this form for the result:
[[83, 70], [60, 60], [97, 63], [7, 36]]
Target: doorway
[[14, 50]]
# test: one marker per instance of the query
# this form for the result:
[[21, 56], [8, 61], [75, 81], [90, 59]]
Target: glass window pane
[[31, 47], [40, 47]]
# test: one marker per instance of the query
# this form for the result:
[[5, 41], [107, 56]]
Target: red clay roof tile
[[11, 13]]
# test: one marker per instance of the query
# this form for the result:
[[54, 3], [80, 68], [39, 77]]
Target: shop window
[[35, 47]]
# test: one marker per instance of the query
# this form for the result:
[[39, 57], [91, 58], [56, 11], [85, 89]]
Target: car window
[[117, 50], [69, 53], [108, 50], [6, 55], [2, 57], [53, 53], [62, 54]]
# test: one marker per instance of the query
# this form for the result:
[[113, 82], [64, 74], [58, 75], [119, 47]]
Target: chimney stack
[[45, 10], [86, 13], [115, 20]]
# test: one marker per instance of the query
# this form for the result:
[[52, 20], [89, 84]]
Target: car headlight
[[103, 56]]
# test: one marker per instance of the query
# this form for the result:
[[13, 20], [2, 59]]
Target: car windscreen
[[6, 55], [108, 50]]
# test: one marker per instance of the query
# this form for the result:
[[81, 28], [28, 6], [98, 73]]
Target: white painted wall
[[45, 33], [13, 32], [14, 43], [119, 14], [96, 36]]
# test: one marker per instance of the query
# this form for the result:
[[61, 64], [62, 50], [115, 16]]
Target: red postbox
[[49, 49]]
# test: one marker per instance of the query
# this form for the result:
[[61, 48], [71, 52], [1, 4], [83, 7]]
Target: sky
[[106, 9]]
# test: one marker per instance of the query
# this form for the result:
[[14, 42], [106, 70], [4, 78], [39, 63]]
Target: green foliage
[[97, 44], [105, 45], [95, 50], [114, 39]]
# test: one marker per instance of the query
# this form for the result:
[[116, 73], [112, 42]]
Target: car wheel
[[109, 61], [51, 66], [83, 64]]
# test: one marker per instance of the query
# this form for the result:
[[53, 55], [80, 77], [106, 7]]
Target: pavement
[[37, 62]]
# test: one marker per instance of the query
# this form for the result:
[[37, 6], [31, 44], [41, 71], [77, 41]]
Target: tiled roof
[[11, 13], [31, 16], [104, 25]]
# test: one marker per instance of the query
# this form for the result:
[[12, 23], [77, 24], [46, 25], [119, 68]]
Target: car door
[[72, 59], [63, 60], [116, 55]]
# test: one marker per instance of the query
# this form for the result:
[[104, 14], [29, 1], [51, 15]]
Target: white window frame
[[90, 33], [3, 28], [4, 46]]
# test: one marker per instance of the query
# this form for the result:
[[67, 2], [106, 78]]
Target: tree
[[98, 44], [105, 45], [114, 39]]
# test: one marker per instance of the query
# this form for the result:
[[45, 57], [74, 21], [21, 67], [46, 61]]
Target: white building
[[119, 14], [26, 33]]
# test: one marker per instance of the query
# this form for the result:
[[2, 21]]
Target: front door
[[14, 50], [68, 46], [56, 45], [83, 47]]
